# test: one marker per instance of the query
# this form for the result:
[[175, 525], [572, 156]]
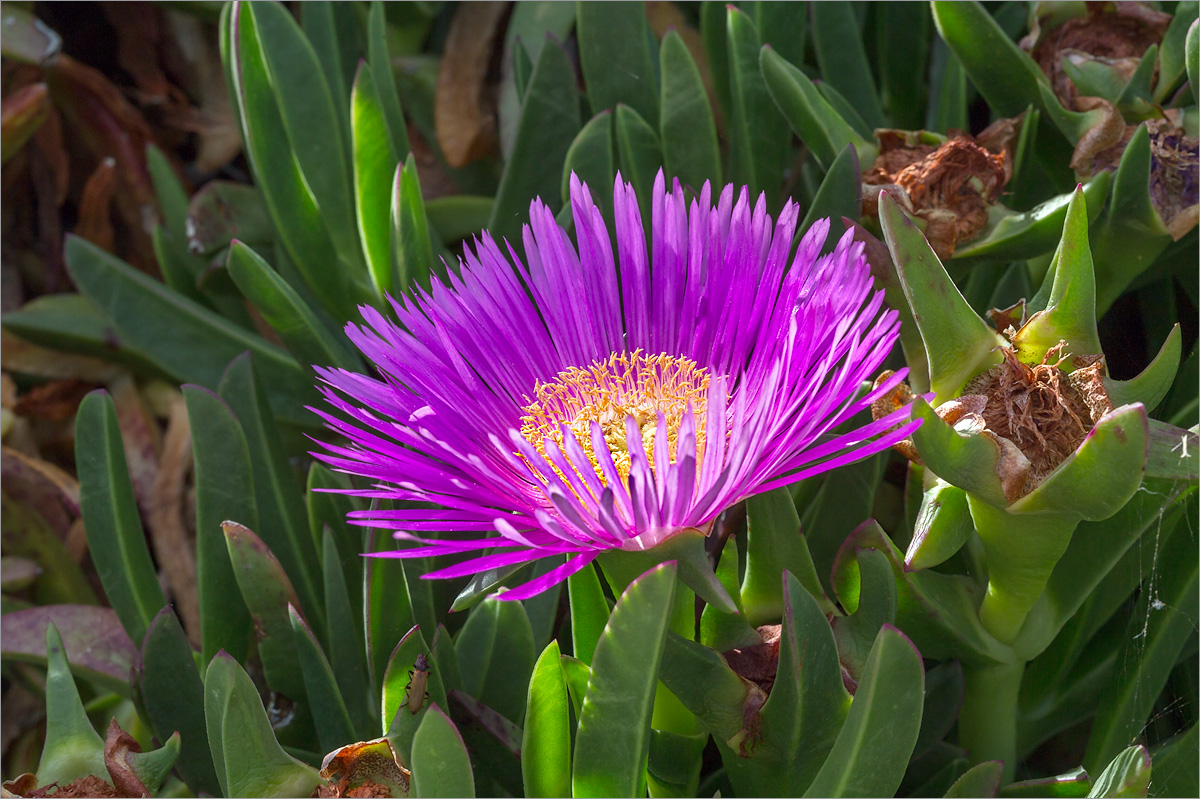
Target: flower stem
[[987, 723]]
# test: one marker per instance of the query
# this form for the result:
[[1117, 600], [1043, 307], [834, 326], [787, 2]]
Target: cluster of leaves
[[287, 665]]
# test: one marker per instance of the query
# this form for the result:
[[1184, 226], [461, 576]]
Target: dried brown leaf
[[95, 207], [118, 744], [464, 102]]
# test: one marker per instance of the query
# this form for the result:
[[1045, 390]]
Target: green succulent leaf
[[875, 606], [312, 124], [496, 656], [590, 158], [116, 540], [375, 161], [1159, 631], [546, 744], [1004, 74], [172, 698], [589, 612], [380, 64], [277, 170], [640, 156], [873, 747], [1192, 59], [943, 525], [757, 132], [617, 33], [298, 326], [705, 684], [903, 61], [548, 124], [1070, 313], [224, 490], [775, 544], [613, 740], [440, 764], [1033, 233], [248, 758], [1127, 775], [347, 650], [1152, 385], [277, 490], [958, 343], [330, 716], [839, 196], [808, 113], [1175, 770], [843, 61], [685, 124], [389, 608], [401, 719], [970, 462], [73, 749], [982, 779], [687, 550], [412, 246]]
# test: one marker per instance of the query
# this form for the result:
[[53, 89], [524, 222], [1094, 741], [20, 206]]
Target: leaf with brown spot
[[117, 745], [465, 103], [363, 768]]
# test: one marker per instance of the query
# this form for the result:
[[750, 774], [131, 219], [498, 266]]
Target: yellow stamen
[[607, 391]]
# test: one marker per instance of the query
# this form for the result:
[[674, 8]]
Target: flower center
[[607, 391]]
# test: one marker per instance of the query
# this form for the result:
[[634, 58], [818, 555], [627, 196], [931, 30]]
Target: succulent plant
[[648, 431]]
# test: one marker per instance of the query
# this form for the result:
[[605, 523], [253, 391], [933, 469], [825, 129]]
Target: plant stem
[[987, 724]]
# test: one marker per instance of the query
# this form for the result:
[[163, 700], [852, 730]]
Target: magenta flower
[[572, 406]]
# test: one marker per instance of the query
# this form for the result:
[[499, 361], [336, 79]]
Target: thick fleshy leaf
[[843, 61], [705, 684], [268, 592], [1095, 549], [958, 343], [873, 747], [757, 131], [617, 33], [938, 611], [1192, 59], [72, 323], [1131, 234], [172, 698], [613, 740], [1161, 626], [948, 108], [73, 749], [981, 780], [1152, 385], [460, 216], [1174, 453], [875, 606], [903, 61], [1127, 775], [298, 326], [943, 526], [224, 491], [312, 124], [969, 462], [589, 612], [775, 544], [797, 726], [440, 764], [1070, 313], [380, 62], [548, 123], [248, 759], [166, 326], [277, 491], [496, 656], [1005, 75], [1176, 771], [389, 611], [839, 196], [546, 745], [808, 113], [116, 540], [1072, 784], [943, 700], [347, 650], [724, 631], [687, 550], [412, 247], [277, 172], [494, 743], [97, 646], [375, 162], [329, 713], [640, 155], [685, 124], [590, 158], [1032, 233]]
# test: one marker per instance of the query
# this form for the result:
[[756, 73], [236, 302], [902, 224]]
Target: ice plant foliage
[[577, 402]]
